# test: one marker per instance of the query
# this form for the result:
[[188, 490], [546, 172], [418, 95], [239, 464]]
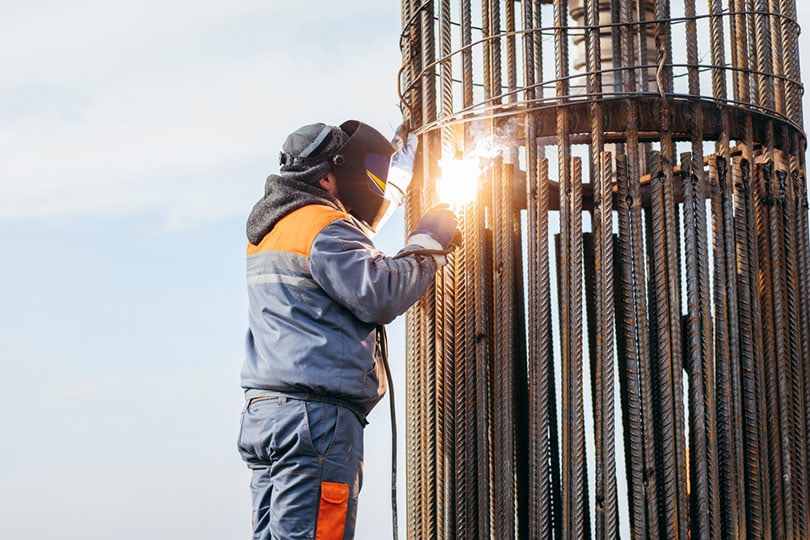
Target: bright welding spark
[[458, 184]]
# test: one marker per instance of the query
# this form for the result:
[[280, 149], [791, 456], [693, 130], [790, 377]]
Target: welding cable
[[426, 252], [393, 408]]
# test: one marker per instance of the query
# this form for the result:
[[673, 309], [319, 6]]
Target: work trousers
[[306, 459]]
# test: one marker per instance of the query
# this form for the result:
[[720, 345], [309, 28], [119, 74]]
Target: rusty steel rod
[[757, 523], [503, 384], [794, 351], [668, 364], [797, 162]]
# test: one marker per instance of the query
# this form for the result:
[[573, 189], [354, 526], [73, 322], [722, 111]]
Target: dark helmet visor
[[361, 168]]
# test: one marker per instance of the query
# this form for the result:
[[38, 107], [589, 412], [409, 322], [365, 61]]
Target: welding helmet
[[361, 169]]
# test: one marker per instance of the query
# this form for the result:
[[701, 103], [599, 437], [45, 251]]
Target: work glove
[[439, 224], [436, 234], [401, 170]]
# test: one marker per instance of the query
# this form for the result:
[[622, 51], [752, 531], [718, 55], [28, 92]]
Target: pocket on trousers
[[322, 424], [332, 511]]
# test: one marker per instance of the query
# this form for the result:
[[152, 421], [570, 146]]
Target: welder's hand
[[401, 170], [439, 224]]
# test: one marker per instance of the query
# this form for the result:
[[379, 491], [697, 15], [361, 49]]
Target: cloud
[[173, 106]]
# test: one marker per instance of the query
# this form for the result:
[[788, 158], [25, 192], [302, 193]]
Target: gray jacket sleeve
[[374, 287]]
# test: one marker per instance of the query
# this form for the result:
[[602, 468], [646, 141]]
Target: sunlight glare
[[458, 183]]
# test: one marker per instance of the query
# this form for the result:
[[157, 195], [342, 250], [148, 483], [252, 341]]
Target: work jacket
[[318, 294]]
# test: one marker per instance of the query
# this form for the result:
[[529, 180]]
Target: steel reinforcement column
[[620, 347]]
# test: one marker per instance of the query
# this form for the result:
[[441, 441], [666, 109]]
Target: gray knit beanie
[[307, 153]]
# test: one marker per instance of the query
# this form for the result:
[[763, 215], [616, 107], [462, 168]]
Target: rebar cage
[[620, 345]]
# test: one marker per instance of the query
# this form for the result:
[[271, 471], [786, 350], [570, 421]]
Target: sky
[[134, 138]]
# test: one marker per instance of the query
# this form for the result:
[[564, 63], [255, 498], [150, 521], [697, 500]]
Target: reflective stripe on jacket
[[317, 289]]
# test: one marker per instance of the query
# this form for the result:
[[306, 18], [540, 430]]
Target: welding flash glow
[[458, 183]]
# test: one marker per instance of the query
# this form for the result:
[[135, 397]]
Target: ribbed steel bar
[[495, 52], [790, 54], [446, 73], [538, 492], [571, 316], [653, 322], [797, 359], [703, 449], [803, 237], [760, 341], [428, 62], [673, 456], [789, 222], [669, 438], [641, 61], [556, 458], [486, 60], [532, 281], [756, 486], [439, 393], [727, 352], [762, 198], [520, 367], [413, 402], [737, 42], [484, 329], [413, 324], [540, 353], [466, 54], [429, 404], [504, 349], [537, 39], [622, 315], [570, 312], [445, 489], [607, 526], [753, 78], [511, 53], [778, 69], [638, 357], [616, 35], [465, 344], [705, 508], [427, 401], [447, 494], [589, 271], [725, 305], [431, 146], [467, 472], [774, 209], [466, 462], [606, 504], [781, 361], [643, 511], [772, 290]]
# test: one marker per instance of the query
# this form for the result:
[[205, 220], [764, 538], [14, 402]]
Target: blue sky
[[134, 138]]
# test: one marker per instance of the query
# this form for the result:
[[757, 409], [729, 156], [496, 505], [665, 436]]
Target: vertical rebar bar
[[606, 512], [504, 442], [756, 486], [644, 512]]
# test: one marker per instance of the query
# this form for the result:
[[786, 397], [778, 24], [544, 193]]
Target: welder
[[319, 293]]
